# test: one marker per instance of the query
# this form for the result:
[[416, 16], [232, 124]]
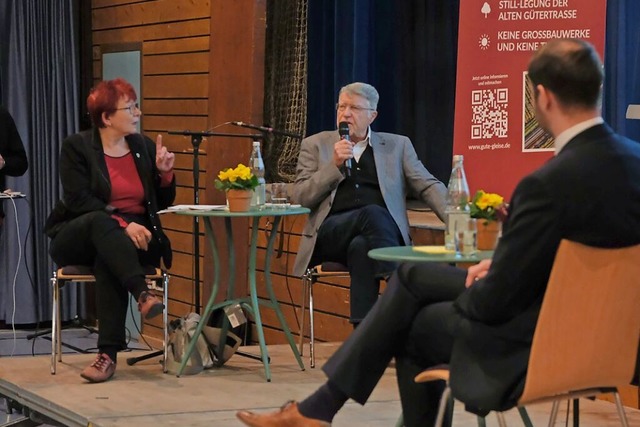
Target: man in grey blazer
[[482, 321], [356, 209]]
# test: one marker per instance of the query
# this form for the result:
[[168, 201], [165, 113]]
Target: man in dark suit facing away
[[481, 321]]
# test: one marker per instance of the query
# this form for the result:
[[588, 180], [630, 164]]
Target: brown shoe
[[100, 370], [149, 306], [287, 416]]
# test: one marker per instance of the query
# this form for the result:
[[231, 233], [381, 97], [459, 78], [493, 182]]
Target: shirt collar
[[368, 138], [570, 133]]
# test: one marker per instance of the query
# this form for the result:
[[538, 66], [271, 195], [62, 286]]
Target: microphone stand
[[196, 140]]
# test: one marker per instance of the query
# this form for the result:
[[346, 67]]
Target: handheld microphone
[[343, 130]]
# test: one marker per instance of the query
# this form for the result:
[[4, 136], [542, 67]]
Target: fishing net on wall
[[285, 103]]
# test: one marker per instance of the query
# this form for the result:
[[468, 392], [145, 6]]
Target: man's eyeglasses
[[132, 108], [354, 108]]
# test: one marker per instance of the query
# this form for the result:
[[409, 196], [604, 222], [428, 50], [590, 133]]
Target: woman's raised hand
[[164, 158]]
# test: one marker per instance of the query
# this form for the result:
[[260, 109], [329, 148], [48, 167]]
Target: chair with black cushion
[[586, 338], [158, 278], [445, 412], [309, 278]]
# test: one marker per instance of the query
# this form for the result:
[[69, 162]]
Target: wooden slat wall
[[174, 37]]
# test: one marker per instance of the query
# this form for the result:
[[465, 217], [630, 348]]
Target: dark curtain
[[622, 66], [407, 50], [39, 81]]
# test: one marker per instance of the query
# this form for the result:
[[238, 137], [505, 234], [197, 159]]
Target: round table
[[251, 303], [426, 254]]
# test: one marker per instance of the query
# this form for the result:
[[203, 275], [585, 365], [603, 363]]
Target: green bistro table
[[252, 303], [430, 254]]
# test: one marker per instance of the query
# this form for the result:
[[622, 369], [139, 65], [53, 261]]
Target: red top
[[127, 193]]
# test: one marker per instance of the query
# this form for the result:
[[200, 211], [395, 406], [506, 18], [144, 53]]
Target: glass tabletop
[[426, 254], [253, 212]]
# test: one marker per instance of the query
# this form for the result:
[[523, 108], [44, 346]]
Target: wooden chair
[[81, 273], [311, 276], [586, 338]]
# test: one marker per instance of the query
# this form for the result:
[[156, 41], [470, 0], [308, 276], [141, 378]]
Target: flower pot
[[239, 200], [488, 233]]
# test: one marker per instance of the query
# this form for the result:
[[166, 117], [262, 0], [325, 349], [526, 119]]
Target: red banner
[[495, 127]]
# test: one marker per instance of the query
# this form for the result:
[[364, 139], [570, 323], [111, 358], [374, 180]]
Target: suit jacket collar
[[592, 134], [568, 134]]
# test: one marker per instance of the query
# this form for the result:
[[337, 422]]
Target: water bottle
[[457, 208], [257, 168]]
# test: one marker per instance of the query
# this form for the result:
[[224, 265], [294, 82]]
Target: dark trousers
[[97, 240], [414, 321], [347, 237]]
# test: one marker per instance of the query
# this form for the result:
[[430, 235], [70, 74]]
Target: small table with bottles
[[251, 303]]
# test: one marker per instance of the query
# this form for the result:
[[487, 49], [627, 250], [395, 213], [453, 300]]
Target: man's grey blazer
[[399, 172]]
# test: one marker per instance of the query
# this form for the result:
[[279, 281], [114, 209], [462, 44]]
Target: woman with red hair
[[114, 181]]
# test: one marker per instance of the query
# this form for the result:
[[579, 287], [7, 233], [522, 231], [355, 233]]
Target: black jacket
[[87, 187], [11, 149]]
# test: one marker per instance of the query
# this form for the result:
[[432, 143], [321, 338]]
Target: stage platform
[[142, 395]]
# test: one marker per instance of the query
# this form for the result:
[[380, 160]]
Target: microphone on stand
[[266, 129], [343, 130], [256, 127]]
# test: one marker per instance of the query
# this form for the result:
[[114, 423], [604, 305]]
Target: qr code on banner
[[489, 113]]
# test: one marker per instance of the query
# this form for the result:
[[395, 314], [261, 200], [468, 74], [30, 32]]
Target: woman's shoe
[[149, 306], [100, 370]]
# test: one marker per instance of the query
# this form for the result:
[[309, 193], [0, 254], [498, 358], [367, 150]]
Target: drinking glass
[[465, 234], [279, 196]]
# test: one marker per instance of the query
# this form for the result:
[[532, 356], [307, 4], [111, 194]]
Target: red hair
[[104, 98]]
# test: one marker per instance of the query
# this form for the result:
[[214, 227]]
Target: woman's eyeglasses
[[131, 108]]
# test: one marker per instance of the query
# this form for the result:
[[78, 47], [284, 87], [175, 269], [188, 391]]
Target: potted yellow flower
[[238, 184], [489, 209]]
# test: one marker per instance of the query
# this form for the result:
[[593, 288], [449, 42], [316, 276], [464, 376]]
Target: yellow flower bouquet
[[239, 178], [488, 206]]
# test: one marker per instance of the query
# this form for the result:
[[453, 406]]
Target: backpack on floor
[[206, 354]]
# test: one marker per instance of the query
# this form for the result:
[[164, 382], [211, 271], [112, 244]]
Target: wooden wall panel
[[117, 14], [179, 87], [164, 31]]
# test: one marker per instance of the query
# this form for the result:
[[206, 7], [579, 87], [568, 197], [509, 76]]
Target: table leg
[[230, 287], [210, 304], [254, 297]]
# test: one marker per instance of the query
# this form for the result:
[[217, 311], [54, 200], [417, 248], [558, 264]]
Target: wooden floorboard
[[142, 395]]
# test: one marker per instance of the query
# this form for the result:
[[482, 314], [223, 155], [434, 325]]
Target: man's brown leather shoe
[[149, 306], [100, 370], [287, 416]]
